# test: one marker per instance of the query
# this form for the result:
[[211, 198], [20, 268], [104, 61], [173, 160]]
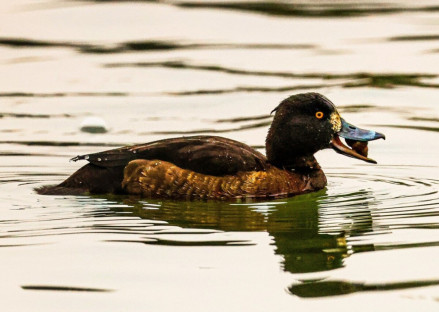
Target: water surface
[[152, 70]]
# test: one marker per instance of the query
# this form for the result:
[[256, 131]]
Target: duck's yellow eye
[[319, 115]]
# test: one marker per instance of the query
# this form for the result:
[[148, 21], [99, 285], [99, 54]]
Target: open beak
[[356, 138]]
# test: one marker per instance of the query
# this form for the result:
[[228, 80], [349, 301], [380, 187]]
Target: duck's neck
[[286, 153], [295, 163]]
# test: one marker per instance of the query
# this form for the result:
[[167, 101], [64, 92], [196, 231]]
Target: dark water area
[[79, 77]]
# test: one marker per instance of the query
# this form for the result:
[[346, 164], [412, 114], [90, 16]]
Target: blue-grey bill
[[351, 132]]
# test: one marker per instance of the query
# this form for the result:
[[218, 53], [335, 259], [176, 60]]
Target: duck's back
[[205, 155], [211, 155]]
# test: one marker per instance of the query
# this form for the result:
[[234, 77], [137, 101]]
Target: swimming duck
[[212, 167]]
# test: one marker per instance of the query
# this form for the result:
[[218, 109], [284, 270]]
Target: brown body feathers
[[156, 178]]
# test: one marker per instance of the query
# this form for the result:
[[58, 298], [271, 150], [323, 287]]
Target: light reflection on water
[[373, 231]]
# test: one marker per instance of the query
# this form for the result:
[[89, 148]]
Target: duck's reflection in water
[[309, 231], [296, 231], [295, 224]]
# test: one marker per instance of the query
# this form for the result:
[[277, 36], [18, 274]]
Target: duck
[[213, 167]]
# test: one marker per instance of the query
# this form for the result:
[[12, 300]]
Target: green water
[[152, 70]]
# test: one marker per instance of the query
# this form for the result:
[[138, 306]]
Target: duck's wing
[[210, 155]]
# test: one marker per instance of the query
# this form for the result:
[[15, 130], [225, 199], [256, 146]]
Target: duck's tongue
[[356, 138]]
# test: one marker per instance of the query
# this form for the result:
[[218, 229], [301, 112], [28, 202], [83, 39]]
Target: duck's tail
[[89, 179]]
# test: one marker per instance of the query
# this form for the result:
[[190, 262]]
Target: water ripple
[[148, 45], [359, 212]]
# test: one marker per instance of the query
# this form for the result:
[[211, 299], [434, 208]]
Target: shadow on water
[[288, 9], [337, 288], [146, 45], [63, 94], [308, 10], [353, 80], [384, 80], [377, 80], [64, 288], [197, 131], [23, 115], [348, 80], [415, 38]]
